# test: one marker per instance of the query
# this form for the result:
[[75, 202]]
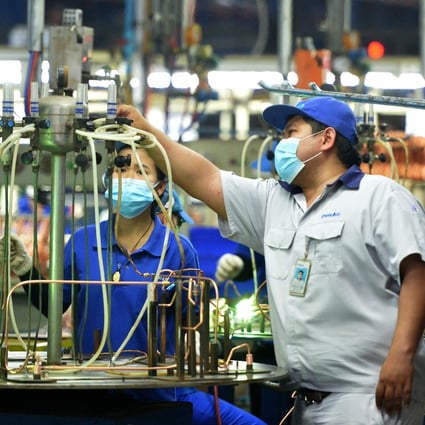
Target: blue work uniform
[[81, 263], [126, 301]]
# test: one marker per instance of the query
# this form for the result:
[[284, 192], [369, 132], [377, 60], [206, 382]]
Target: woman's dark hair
[[161, 175], [348, 153]]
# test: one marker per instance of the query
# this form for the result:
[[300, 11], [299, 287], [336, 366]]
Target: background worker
[[137, 245], [240, 266], [351, 338]]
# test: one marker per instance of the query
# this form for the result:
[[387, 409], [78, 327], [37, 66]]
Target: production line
[[58, 129], [61, 127], [58, 125], [215, 335]]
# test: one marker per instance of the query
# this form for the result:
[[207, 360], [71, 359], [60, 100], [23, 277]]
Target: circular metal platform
[[235, 373]]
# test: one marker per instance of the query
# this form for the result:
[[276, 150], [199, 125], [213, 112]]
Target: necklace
[[140, 238], [125, 250], [116, 276]]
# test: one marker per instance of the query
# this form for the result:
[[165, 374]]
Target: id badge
[[299, 280]]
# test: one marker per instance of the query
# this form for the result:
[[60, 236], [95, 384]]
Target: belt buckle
[[315, 397]]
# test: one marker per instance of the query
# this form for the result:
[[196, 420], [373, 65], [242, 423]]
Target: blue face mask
[[286, 162], [136, 196]]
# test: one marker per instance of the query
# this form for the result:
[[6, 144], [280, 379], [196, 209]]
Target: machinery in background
[[311, 64], [379, 149], [59, 124], [70, 52]]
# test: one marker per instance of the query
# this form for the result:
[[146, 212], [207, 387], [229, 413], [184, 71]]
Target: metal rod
[[163, 326], [284, 42], [178, 329], [153, 337], [205, 330], [56, 259], [403, 102], [191, 339]]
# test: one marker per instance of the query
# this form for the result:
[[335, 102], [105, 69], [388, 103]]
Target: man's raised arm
[[191, 171]]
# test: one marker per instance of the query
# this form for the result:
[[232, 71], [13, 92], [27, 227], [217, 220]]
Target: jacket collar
[[350, 179]]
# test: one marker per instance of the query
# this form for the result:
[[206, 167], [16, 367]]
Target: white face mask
[[286, 162]]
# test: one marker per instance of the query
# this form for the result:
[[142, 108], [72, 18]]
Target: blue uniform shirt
[[126, 300]]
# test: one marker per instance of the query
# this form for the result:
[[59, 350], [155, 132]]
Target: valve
[[27, 157], [368, 158], [122, 161], [83, 161], [7, 123], [122, 120]]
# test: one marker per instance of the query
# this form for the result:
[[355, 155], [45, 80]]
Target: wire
[[287, 415], [263, 146], [264, 143], [406, 156], [130, 136], [393, 163], [106, 316], [10, 142], [88, 365], [31, 74], [14, 137], [244, 150], [217, 406]]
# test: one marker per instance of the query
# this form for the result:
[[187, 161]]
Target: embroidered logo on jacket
[[332, 214]]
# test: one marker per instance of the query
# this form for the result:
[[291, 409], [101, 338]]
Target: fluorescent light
[[242, 79], [411, 80], [349, 79], [184, 80], [45, 76], [134, 83], [159, 80], [380, 80], [330, 77], [292, 78], [10, 71], [387, 80]]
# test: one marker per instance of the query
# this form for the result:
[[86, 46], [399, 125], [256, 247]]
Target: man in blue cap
[[350, 333]]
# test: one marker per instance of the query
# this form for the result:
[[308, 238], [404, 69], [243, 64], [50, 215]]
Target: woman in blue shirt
[[135, 251]]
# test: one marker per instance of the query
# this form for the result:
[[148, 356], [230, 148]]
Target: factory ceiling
[[235, 27]]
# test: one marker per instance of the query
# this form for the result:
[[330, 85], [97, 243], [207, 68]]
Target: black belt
[[311, 396]]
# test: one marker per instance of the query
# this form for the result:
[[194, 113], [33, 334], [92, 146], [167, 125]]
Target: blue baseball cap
[[324, 109], [177, 205]]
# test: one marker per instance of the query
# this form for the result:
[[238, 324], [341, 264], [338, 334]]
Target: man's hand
[[395, 383], [138, 120], [20, 260], [228, 267]]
